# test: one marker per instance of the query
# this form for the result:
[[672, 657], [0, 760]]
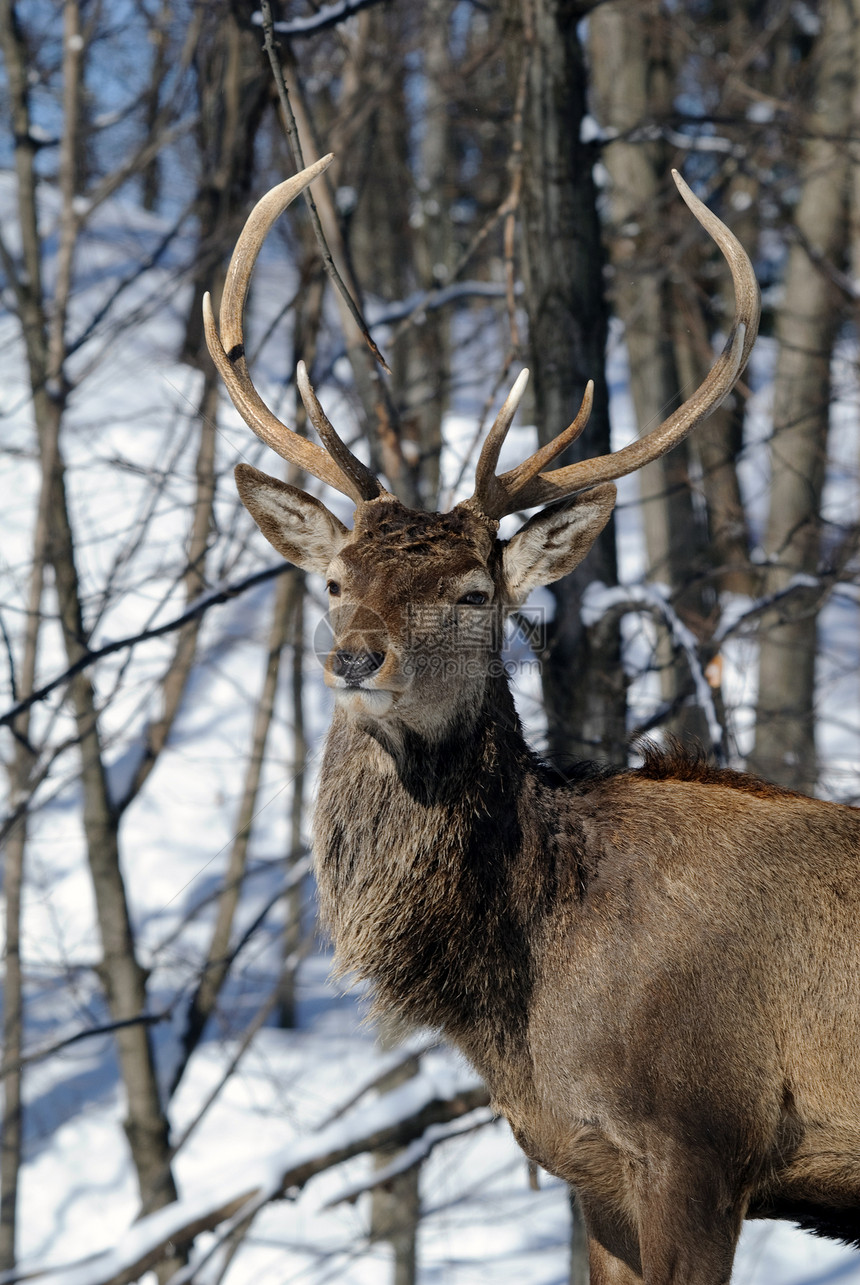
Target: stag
[[655, 970]]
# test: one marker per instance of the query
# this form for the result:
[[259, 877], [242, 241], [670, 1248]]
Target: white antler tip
[[302, 375], [308, 396], [213, 339], [313, 171], [700, 210], [514, 396]]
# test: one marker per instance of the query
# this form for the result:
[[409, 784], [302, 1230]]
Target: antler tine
[[228, 349], [527, 489], [516, 478], [495, 495], [489, 494], [366, 484]]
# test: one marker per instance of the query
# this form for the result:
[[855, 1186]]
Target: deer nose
[[356, 665]]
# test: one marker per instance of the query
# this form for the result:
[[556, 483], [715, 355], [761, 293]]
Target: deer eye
[[473, 599], [333, 588]]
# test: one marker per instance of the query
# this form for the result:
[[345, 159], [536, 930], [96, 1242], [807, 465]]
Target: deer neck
[[426, 877]]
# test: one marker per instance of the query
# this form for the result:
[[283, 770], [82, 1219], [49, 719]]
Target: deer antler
[[337, 465], [526, 485]]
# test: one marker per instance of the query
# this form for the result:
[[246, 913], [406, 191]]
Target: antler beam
[[527, 486], [336, 466]]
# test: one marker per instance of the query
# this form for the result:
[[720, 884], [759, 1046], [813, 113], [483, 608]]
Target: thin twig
[[298, 160], [414, 1154], [515, 168], [441, 294], [253, 1027], [156, 1235], [119, 644], [329, 16], [90, 1032], [372, 1085]]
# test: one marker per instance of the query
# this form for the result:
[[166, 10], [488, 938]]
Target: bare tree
[[806, 327], [564, 299], [43, 316], [43, 310]]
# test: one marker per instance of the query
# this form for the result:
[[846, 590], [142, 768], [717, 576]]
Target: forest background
[[501, 195]]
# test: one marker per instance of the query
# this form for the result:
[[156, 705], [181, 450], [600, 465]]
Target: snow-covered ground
[[129, 445]]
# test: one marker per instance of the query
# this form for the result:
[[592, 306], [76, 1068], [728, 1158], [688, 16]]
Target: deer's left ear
[[555, 541]]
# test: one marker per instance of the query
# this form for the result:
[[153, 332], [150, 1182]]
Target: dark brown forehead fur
[[388, 530]]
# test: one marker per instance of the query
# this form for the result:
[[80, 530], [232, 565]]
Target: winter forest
[[188, 1094]]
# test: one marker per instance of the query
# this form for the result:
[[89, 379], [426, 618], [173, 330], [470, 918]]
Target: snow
[[262, 1173], [129, 444]]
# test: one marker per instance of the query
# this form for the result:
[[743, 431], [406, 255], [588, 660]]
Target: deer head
[[409, 589]]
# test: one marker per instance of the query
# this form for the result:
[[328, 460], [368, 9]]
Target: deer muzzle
[[355, 666]]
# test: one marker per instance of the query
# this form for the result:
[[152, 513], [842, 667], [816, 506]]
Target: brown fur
[[656, 971], [680, 763]]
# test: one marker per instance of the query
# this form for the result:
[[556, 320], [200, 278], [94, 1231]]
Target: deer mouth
[[365, 679], [358, 699], [351, 683]]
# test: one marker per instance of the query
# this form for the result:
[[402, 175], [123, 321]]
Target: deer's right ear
[[297, 525]]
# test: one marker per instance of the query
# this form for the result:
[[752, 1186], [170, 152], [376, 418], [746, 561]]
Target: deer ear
[[297, 525], [555, 541]]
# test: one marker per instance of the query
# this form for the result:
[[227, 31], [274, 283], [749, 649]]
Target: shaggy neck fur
[[437, 866]]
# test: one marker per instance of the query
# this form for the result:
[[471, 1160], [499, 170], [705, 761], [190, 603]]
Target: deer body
[[655, 971], [657, 978]]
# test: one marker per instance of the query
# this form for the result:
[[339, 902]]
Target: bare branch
[[196, 610], [395, 1121], [90, 1032], [296, 149], [414, 1154], [621, 600], [329, 16], [401, 1060]]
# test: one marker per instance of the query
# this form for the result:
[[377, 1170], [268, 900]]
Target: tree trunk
[[428, 350], [44, 331], [396, 1207], [633, 86], [216, 966], [563, 259], [20, 783], [294, 933], [160, 41], [233, 91], [718, 442], [122, 976], [13, 1018], [579, 1273], [806, 327], [381, 417]]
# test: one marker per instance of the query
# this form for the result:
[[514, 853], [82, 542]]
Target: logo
[[444, 640]]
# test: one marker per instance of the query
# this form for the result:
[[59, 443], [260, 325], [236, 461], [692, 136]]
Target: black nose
[[356, 665]]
